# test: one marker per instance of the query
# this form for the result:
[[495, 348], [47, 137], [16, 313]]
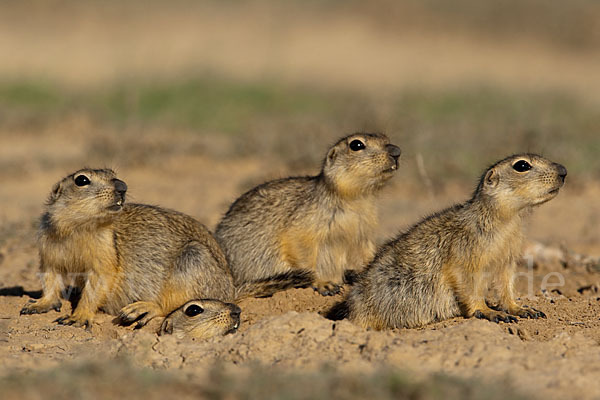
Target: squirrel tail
[[338, 312], [266, 287]]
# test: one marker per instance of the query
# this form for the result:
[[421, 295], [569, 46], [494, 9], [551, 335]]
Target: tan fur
[[217, 318], [132, 260], [305, 231], [444, 266]]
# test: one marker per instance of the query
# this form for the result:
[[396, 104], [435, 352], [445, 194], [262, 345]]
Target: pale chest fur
[[353, 223], [78, 252], [499, 248], [333, 234], [350, 222]]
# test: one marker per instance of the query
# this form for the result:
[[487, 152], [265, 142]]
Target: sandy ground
[[555, 357], [87, 44]]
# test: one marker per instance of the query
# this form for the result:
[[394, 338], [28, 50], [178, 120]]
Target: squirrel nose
[[562, 171], [235, 311], [120, 186], [393, 150]]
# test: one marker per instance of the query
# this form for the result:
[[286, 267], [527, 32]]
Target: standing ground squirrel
[[303, 231], [442, 267], [132, 260]]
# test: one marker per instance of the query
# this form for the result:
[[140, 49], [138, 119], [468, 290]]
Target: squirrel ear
[[491, 178], [55, 193], [331, 156]]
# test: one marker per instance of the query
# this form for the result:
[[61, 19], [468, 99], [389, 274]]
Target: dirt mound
[[543, 357]]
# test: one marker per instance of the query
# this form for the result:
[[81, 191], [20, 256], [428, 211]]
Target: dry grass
[[372, 47], [569, 25], [454, 132]]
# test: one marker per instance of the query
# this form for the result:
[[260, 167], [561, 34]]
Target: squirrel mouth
[[233, 329], [549, 196], [117, 206], [393, 168]]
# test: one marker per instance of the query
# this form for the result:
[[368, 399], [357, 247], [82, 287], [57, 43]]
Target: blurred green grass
[[200, 104], [206, 104], [455, 132]]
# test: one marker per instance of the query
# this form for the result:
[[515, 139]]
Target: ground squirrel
[[442, 267], [132, 260], [200, 319], [302, 231]]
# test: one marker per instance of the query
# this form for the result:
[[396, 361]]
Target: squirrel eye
[[193, 310], [356, 145], [82, 180], [521, 166]]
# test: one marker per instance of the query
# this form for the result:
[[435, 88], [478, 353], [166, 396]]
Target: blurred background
[[194, 102]]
